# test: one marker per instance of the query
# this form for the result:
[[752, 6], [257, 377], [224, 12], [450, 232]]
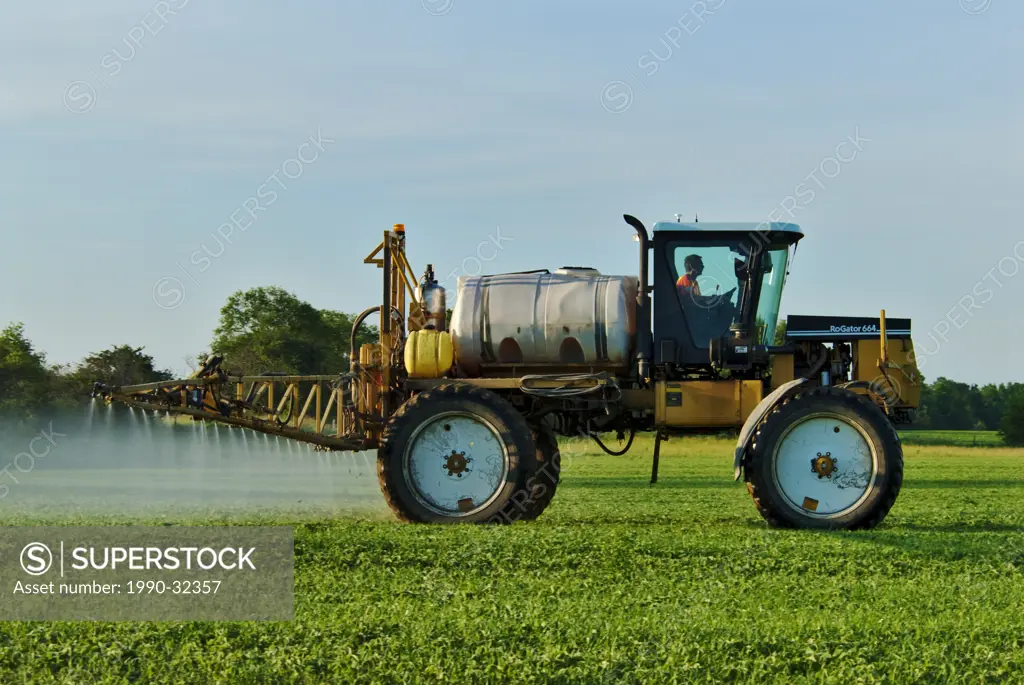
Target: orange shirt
[[687, 283]]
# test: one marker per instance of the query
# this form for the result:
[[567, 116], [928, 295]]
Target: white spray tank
[[573, 317]]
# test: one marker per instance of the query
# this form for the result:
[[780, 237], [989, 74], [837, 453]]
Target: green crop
[[616, 582]]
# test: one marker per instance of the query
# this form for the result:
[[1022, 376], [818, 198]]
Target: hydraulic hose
[[629, 443], [818, 365], [355, 329]]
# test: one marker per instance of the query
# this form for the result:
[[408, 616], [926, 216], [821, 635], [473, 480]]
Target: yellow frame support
[[399, 289]]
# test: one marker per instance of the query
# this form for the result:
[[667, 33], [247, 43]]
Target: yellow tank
[[428, 354]]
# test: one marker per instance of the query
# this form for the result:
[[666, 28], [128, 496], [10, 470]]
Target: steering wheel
[[717, 300]]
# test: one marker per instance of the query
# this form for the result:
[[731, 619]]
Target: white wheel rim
[[824, 465], [456, 464]]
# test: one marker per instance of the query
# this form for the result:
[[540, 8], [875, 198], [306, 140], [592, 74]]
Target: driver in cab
[[687, 284]]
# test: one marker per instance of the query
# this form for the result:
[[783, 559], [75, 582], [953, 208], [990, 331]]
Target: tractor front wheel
[[826, 458], [454, 454]]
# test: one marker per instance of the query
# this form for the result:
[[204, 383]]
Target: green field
[[617, 582], [952, 438]]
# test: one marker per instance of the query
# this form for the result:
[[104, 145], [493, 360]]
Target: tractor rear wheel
[[454, 454], [826, 458], [542, 483]]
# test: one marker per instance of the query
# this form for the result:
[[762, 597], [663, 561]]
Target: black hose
[[629, 443], [357, 322], [818, 365], [355, 329]]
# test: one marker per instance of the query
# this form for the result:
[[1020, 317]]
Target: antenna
[[695, 219]]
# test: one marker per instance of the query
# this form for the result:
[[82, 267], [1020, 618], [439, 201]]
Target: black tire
[[512, 430], [541, 484], [843, 406]]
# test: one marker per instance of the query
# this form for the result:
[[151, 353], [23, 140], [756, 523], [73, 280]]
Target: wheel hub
[[824, 465], [457, 464]]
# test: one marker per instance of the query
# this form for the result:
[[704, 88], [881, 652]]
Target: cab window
[[708, 290]]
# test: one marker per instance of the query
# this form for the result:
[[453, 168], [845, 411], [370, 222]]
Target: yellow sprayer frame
[[260, 402]]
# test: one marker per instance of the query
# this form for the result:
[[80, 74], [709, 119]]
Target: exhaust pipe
[[643, 300]]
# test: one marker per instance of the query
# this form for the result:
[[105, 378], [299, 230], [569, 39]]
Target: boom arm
[[214, 395], [357, 404]]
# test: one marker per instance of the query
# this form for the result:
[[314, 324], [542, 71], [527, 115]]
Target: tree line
[[951, 405], [268, 329]]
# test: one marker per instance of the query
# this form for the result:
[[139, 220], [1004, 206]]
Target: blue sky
[[133, 130]]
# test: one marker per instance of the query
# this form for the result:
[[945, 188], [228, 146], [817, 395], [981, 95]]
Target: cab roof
[[730, 226], [774, 234]]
